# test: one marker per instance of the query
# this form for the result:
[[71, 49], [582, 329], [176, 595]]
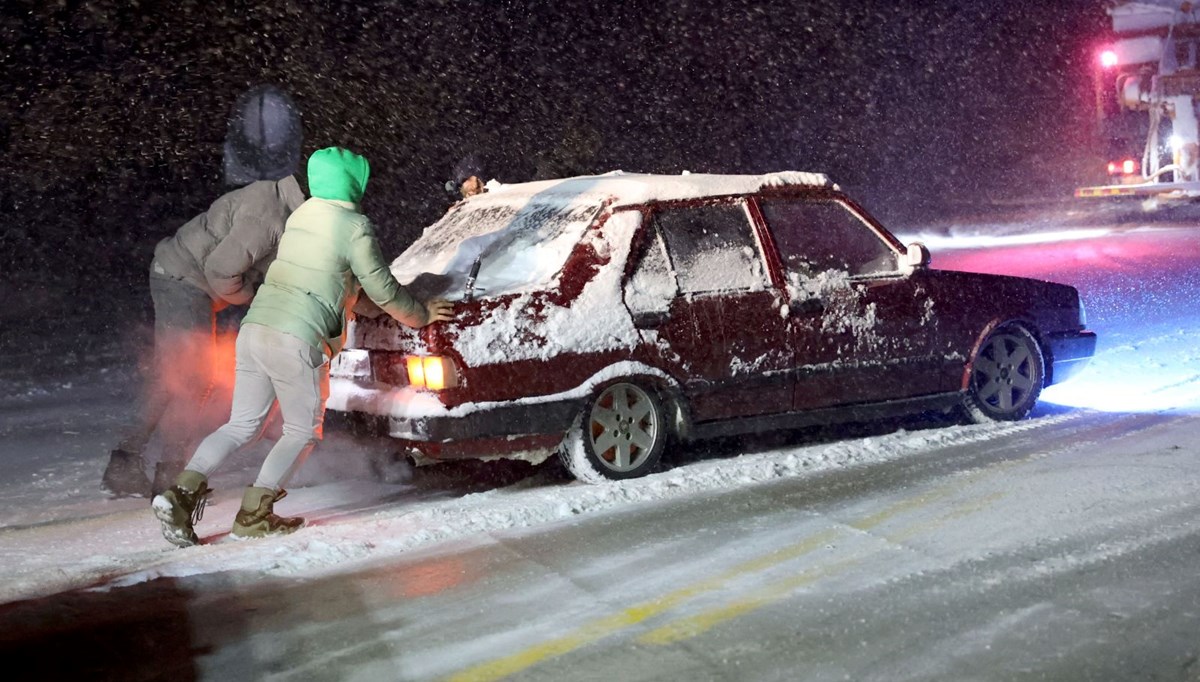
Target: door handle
[[808, 306], [649, 319]]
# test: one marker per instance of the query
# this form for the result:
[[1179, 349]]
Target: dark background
[[113, 114]]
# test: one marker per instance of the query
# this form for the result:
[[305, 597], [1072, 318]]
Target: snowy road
[[1062, 548]]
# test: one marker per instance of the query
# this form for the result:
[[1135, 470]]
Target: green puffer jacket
[[327, 251]]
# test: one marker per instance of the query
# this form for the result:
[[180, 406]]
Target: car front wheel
[[1006, 376], [620, 434]]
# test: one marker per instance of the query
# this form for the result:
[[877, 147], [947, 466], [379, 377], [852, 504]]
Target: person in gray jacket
[[216, 259]]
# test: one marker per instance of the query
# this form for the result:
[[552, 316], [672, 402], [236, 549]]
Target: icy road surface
[[1063, 547]]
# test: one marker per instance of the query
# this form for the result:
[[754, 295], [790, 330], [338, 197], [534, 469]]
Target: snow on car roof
[[635, 188], [522, 233]]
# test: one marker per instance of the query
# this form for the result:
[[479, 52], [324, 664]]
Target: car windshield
[[522, 245]]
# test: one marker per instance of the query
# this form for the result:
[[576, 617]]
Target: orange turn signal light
[[434, 373]]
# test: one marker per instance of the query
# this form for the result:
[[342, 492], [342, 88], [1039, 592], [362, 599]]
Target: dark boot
[[174, 458], [125, 475], [181, 507], [257, 517], [165, 474]]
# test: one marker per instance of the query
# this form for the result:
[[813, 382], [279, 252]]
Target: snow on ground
[[383, 530], [58, 532]]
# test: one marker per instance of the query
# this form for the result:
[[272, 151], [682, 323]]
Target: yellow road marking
[[700, 623], [957, 513], [499, 668], [900, 507], [690, 627]]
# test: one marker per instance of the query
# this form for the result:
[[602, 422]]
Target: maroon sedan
[[604, 317]]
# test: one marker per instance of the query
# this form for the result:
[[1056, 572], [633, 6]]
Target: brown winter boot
[[257, 517], [181, 507]]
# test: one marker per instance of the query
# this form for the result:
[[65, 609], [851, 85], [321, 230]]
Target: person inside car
[[466, 180]]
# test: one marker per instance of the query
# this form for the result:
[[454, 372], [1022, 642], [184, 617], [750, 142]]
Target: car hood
[[1052, 306]]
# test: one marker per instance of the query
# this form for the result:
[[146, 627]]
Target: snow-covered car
[[605, 317]]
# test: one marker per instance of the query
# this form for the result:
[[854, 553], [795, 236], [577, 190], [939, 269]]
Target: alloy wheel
[[624, 427], [1007, 375]]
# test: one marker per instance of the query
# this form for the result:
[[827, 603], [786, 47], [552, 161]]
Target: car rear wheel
[[620, 434], [1006, 376]]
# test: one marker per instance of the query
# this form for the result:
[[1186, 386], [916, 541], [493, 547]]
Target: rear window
[[521, 246]]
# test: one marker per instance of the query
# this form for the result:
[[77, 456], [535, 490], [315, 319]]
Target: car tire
[[620, 433], [1006, 376]]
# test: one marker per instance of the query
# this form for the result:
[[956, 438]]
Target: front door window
[[825, 235]]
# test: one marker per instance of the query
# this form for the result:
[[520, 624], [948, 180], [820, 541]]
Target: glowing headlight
[[434, 373]]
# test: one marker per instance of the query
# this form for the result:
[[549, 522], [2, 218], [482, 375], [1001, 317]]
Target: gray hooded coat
[[225, 251]]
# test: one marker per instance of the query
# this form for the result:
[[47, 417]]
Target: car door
[[863, 329], [702, 292]]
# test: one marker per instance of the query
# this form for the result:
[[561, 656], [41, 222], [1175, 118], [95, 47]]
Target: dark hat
[[264, 137], [466, 167]]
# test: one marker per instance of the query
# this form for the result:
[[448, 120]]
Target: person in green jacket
[[295, 325]]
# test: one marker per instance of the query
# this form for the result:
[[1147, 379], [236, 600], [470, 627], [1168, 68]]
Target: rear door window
[[815, 236], [712, 248], [652, 286]]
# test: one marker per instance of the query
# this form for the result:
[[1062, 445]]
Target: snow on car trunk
[[519, 309], [521, 244], [545, 322]]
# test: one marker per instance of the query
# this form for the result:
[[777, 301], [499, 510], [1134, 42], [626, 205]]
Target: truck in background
[[1147, 81]]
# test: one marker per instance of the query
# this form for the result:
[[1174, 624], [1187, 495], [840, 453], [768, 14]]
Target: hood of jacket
[[338, 174]]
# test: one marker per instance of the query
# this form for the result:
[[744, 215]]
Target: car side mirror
[[916, 256]]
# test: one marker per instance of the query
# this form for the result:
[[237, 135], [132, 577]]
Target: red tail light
[[1126, 167], [434, 373]]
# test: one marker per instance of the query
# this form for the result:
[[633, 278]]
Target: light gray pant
[[271, 366]]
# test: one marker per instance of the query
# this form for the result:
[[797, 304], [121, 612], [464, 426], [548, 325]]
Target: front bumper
[[1070, 352]]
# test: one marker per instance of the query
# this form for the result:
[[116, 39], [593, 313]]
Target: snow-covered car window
[[651, 287], [520, 244], [817, 236], [712, 248]]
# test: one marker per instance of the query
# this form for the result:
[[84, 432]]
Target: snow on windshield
[[522, 244]]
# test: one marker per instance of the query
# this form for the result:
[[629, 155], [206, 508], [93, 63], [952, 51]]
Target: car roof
[[639, 188]]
